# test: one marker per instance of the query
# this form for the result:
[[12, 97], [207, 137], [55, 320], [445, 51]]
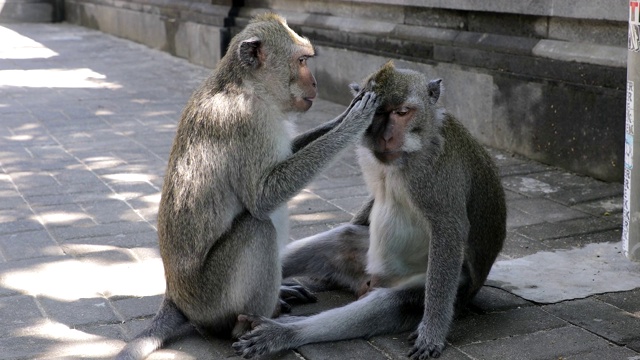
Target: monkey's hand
[[361, 111], [266, 336], [423, 347], [294, 293]]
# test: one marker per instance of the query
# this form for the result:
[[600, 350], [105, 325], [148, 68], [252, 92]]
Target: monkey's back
[[205, 229], [485, 199]]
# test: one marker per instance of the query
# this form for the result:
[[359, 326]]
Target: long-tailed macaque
[[420, 248], [233, 166]]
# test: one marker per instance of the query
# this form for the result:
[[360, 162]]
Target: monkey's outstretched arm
[[304, 139], [290, 176], [307, 137]]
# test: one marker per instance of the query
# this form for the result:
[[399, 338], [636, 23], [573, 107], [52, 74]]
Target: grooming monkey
[[423, 245], [233, 166]]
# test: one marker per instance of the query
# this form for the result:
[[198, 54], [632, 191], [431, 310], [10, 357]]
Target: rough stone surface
[[86, 127], [533, 66]]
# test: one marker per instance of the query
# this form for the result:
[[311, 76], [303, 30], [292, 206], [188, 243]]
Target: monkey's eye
[[401, 112], [302, 60]]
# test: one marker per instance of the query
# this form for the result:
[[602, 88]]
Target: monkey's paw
[[423, 348], [266, 336], [297, 293]]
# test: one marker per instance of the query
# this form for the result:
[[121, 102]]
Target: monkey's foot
[[423, 349], [266, 337]]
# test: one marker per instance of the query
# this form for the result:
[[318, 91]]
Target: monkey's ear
[[250, 52], [355, 89], [433, 90]]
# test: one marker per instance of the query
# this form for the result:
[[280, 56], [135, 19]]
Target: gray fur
[[435, 227], [223, 218]]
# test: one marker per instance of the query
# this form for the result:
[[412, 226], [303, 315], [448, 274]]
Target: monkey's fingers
[[253, 320], [425, 352], [285, 308], [296, 292], [412, 337]]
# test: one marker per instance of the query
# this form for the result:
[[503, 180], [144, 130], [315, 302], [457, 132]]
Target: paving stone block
[[29, 244], [17, 313], [611, 353], [546, 210], [90, 231], [332, 184], [542, 345], [490, 299], [12, 202], [628, 301], [125, 240], [567, 228], [109, 211], [491, 326], [78, 312], [15, 227], [517, 218], [348, 349], [397, 346], [350, 205], [307, 203], [516, 245], [301, 232], [324, 217], [524, 168], [586, 193], [599, 318], [571, 242], [602, 207], [338, 193], [143, 307]]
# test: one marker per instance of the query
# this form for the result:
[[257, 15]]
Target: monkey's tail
[[164, 325]]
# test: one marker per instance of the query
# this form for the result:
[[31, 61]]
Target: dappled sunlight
[[302, 197], [56, 78], [60, 217], [71, 279], [68, 342], [131, 177], [153, 199], [16, 46], [314, 217], [157, 113], [19, 137]]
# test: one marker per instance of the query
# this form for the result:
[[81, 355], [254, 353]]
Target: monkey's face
[[398, 125], [393, 132], [303, 87]]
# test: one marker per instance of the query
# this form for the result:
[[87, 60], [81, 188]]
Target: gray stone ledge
[[588, 9], [580, 52], [28, 11], [552, 49]]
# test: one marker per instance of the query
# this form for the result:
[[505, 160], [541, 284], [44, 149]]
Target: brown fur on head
[[389, 84]]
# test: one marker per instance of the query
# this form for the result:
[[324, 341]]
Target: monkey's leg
[[383, 311], [240, 275], [338, 256]]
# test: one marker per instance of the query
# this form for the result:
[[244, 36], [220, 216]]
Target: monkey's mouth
[[309, 99], [388, 156]]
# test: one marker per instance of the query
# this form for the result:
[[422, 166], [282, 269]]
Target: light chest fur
[[399, 232]]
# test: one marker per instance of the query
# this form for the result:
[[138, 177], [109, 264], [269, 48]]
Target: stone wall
[[31, 11], [541, 78]]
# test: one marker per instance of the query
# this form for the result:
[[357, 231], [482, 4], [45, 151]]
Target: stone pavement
[[86, 123]]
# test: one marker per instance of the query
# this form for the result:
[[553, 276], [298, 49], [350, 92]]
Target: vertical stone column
[[631, 206]]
